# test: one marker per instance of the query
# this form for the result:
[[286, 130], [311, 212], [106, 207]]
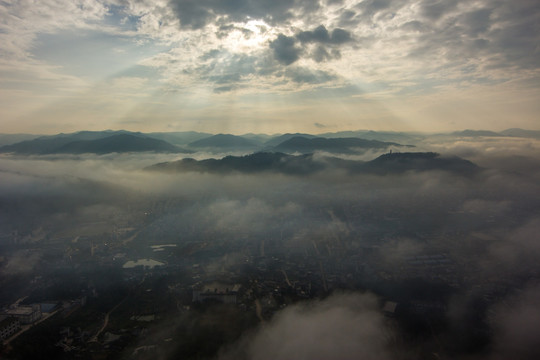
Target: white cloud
[[346, 326]]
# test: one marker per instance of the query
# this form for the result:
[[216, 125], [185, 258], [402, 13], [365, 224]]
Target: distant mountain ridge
[[225, 141], [345, 142], [8, 139], [476, 133], [92, 142], [516, 132], [275, 141], [179, 138], [513, 132], [333, 145], [120, 143], [392, 136]]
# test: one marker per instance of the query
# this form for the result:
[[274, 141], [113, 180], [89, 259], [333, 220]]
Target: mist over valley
[[427, 250]]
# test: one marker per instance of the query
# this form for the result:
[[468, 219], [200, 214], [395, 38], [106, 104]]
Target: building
[[216, 291], [8, 326], [49, 307], [25, 314], [389, 307]]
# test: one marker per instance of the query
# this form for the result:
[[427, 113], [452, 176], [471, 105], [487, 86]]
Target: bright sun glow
[[248, 37]]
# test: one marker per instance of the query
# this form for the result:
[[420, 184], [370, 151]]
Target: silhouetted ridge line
[[391, 163], [120, 142], [349, 145], [224, 141]]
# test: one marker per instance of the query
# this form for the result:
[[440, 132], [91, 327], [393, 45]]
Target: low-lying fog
[[488, 223]]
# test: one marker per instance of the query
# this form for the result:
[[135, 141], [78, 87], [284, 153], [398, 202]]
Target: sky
[[239, 66]]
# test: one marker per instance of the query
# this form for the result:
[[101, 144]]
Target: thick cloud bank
[[344, 326]]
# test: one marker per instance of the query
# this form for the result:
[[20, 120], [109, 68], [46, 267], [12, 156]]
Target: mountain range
[[91, 142], [103, 142], [345, 142], [225, 142], [335, 145], [390, 163]]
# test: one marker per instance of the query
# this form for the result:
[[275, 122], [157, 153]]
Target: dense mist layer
[[370, 237]]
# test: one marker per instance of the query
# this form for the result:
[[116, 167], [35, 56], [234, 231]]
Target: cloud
[[516, 251], [197, 14], [321, 35], [253, 216], [485, 30], [409, 32], [326, 43], [515, 324], [343, 326], [306, 76], [21, 262], [372, 10], [289, 49], [285, 49], [435, 9], [320, 54]]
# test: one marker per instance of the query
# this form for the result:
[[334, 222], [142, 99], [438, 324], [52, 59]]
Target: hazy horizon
[[241, 133]]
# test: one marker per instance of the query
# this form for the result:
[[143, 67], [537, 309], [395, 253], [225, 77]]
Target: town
[[108, 288]]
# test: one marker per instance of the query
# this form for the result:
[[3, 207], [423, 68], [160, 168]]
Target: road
[[26, 327], [106, 320]]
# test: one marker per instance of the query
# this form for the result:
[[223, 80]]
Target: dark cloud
[[477, 22], [229, 71], [369, 10], [321, 54], [224, 30], [196, 14], [468, 40], [321, 35], [340, 36], [517, 34], [285, 49], [496, 35], [347, 17], [435, 9], [192, 13], [288, 49]]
